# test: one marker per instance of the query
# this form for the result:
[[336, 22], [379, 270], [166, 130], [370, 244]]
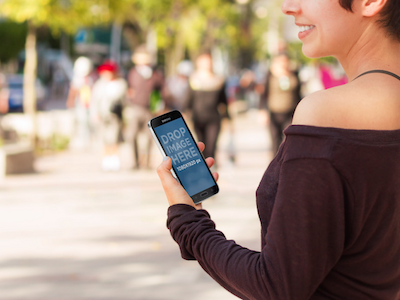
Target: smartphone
[[174, 139]]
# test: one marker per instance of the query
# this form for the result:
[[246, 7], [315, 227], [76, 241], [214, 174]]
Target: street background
[[80, 218], [71, 231]]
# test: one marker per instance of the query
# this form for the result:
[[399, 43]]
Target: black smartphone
[[174, 139]]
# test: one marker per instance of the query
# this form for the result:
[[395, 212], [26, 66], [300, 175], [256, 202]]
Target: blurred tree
[[196, 26], [180, 26], [66, 15], [15, 35]]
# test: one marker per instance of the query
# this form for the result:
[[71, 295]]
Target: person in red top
[[329, 202], [108, 96]]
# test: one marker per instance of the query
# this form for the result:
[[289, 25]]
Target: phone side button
[[204, 194]]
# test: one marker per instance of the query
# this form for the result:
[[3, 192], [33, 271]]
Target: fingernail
[[165, 158]]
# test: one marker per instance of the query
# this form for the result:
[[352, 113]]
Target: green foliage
[[195, 25], [198, 25], [66, 15], [259, 29], [54, 144], [14, 35], [59, 142]]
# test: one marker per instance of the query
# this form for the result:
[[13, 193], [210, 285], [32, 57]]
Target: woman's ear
[[372, 8]]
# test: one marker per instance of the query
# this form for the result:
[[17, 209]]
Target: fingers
[[165, 167], [173, 190], [210, 161], [201, 146], [215, 175]]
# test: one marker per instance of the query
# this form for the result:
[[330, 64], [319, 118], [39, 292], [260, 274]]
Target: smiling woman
[[329, 202]]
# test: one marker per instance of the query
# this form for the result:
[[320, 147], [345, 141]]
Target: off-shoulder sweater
[[329, 207]]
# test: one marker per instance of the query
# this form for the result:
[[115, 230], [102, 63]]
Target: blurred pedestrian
[[177, 87], [332, 76], [207, 102], [144, 83], [108, 96], [4, 106], [329, 203], [248, 85], [281, 96], [79, 97]]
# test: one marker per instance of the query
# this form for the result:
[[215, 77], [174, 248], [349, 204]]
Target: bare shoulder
[[323, 108], [366, 103]]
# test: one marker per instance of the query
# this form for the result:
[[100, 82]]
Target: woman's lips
[[305, 30]]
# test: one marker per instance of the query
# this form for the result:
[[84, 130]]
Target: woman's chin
[[312, 52]]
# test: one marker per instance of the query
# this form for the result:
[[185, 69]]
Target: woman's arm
[[304, 241]]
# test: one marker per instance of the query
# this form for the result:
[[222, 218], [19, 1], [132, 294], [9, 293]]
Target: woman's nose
[[290, 7]]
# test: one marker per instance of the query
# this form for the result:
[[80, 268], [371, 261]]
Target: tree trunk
[[29, 103], [174, 55], [246, 49]]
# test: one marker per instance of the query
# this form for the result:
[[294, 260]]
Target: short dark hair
[[390, 16]]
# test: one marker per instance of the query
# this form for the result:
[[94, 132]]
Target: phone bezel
[[165, 119]]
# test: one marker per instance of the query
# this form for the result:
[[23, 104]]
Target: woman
[[177, 90], [207, 93], [281, 95], [329, 203]]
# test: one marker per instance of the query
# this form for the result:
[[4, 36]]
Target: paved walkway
[[71, 231]]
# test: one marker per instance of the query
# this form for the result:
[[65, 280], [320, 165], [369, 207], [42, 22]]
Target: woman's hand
[[175, 193]]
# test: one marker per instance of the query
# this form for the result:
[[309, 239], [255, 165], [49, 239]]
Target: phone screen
[[187, 161]]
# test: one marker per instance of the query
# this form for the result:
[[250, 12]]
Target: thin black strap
[[379, 71]]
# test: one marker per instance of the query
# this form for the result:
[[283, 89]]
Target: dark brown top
[[329, 206], [281, 94], [206, 94], [143, 87]]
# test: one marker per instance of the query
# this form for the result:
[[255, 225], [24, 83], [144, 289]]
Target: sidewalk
[[71, 231]]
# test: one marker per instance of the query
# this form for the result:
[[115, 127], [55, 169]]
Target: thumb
[[164, 172], [173, 190], [165, 166]]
